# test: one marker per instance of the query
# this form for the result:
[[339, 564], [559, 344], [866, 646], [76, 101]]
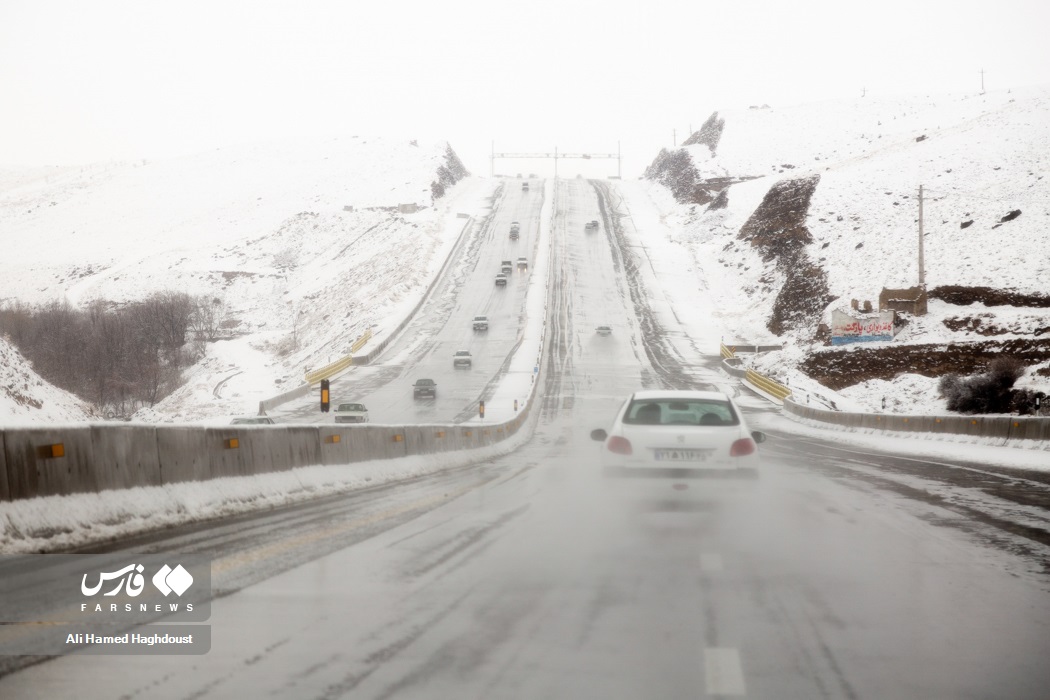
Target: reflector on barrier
[[232, 443], [332, 439], [399, 438], [51, 451]]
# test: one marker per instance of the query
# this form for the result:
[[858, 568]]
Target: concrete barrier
[[125, 456], [734, 367], [1002, 428], [5, 489], [183, 454], [49, 461]]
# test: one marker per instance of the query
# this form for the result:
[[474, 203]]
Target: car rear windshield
[[700, 412], [350, 407]]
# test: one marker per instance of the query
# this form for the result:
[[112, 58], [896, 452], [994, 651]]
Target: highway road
[[837, 573], [443, 326]]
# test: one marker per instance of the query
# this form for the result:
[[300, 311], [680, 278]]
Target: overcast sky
[[88, 81]]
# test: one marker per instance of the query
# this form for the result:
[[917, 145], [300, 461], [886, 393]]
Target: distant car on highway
[[501, 280], [523, 264], [515, 227], [603, 330], [591, 225], [678, 436], [462, 359], [481, 323], [525, 187], [351, 413], [424, 388], [506, 267], [513, 235], [253, 420]]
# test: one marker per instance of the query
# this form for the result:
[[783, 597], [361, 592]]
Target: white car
[[603, 330], [351, 413], [501, 280], [678, 435], [252, 420], [523, 264], [481, 323], [462, 359]]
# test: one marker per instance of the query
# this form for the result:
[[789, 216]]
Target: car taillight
[[742, 447], [619, 445]]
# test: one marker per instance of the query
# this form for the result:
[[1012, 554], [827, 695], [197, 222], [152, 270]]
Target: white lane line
[[710, 562], [722, 672]]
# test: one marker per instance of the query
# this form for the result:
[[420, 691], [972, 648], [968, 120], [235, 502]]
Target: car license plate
[[680, 455]]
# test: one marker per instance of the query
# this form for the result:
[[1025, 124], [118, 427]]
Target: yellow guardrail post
[[768, 385], [339, 365]]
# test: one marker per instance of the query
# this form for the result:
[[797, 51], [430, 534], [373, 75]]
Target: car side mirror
[[758, 436], [599, 434]]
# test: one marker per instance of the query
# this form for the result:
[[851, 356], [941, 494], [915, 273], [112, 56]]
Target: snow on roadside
[[63, 522]]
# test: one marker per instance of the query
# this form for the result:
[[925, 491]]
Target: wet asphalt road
[[837, 573]]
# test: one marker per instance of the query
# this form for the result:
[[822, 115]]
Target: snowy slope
[[982, 157], [26, 399], [300, 246], [979, 157]]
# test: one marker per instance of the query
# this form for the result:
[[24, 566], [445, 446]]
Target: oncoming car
[[252, 420], [351, 413], [678, 435]]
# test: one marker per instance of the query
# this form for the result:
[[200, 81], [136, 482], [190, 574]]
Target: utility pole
[[982, 81], [922, 268], [674, 137], [863, 91], [619, 175], [492, 161]]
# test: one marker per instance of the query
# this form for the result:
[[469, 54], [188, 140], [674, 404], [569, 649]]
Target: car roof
[[650, 394]]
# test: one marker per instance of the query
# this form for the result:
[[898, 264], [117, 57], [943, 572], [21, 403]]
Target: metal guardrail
[[339, 365], [767, 385]]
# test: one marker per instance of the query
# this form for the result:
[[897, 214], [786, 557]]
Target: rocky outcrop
[[778, 230]]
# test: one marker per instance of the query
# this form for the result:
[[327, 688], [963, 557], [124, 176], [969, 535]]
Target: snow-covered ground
[[27, 400], [979, 157], [301, 246]]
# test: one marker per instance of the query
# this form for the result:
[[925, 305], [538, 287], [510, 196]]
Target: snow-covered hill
[[300, 247], [983, 162]]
